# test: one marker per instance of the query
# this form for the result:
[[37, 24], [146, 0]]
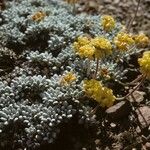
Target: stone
[[121, 109], [116, 1], [138, 130], [113, 125], [97, 141], [92, 4], [143, 114], [138, 95], [147, 145], [107, 1]]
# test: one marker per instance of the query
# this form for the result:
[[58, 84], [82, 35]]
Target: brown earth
[[122, 10]]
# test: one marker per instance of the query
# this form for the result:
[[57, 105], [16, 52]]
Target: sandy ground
[[122, 10]]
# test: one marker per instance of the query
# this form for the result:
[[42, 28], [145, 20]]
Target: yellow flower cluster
[[84, 48], [68, 79], [102, 45], [87, 51], [144, 63], [123, 41], [97, 47], [38, 16], [108, 23], [141, 40], [81, 41], [103, 95]]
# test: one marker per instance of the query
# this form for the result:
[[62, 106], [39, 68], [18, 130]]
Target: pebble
[[138, 95], [143, 114], [113, 125], [147, 145], [121, 109], [97, 141]]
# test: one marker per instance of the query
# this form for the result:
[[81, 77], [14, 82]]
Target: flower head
[[102, 45], [86, 51], [144, 63], [107, 97], [90, 48], [38, 16], [123, 41], [103, 95], [68, 78], [108, 23], [81, 41], [141, 40], [83, 48]]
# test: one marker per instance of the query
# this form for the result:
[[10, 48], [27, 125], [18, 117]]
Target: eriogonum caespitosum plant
[[56, 57]]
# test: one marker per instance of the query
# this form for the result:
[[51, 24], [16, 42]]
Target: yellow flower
[[81, 41], [141, 40], [103, 95], [86, 51], [107, 97], [108, 22], [38, 16], [83, 48], [102, 45], [89, 48], [144, 63], [92, 88], [68, 79], [123, 41]]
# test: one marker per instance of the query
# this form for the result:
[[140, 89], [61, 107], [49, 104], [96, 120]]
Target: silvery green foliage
[[34, 102], [6, 94], [55, 64], [38, 105], [58, 29]]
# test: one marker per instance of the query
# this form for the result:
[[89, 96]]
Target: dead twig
[[134, 89], [134, 17]]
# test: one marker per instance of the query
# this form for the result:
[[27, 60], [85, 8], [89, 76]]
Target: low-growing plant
[[63, 61]]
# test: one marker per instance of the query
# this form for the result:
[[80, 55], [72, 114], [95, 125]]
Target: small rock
[[138, 95], [138, 130], [107, 1], [143, 114], [147, 145], [113, 125], [119, 110], [92, 4], [116, 1], [97, 141]]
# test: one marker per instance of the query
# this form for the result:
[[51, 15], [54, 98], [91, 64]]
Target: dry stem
[[132, 19], [135, 88], [139, 111]]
